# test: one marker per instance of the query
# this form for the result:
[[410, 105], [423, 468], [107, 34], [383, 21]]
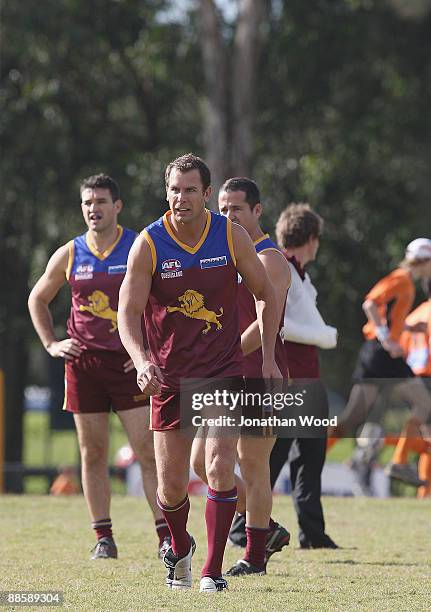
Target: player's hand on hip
[[68, 348], [128, 366], [149, 378]]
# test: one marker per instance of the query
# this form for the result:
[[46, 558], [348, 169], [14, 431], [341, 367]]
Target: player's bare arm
[[255, 277], [372, 312], [39, 300], [133, 298], [278, 272]]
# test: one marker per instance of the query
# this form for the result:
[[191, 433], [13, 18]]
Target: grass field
[[385, 563]]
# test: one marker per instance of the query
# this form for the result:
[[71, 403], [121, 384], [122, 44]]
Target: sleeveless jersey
[[247, 312], [95, 281], [191, 316]]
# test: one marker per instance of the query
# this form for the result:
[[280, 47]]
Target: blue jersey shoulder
[[265, 243], [213, 251], [85, 260]]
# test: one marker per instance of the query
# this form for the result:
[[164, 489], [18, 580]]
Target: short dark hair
[[101, 181], [188, 162], [297, 224], [241, 183]]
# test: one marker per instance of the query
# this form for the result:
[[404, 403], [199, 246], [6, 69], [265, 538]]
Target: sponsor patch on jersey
[[171, 268], [121, 269], [171, 274], [86, 276], [213, 262]]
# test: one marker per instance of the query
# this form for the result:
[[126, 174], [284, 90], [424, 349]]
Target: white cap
[[418, 249]]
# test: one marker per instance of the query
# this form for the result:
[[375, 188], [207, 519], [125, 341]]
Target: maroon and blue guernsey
[[95, 279], [191, 316], [247, 311]]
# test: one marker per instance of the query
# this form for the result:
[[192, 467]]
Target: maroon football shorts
[[96, 382], [173, 410], [165, 411]]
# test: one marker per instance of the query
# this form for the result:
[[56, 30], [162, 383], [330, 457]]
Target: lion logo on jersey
[[193, 306], [99, 307]]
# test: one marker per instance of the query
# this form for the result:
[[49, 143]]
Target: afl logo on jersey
[[171, 268], [84, 272], [171, 265]]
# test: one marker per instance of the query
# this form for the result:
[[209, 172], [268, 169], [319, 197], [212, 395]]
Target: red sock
[[162, 530], [219, 512], [255, 549], [176, 518], [103, 528]]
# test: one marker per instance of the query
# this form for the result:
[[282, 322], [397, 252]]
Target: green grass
[[343, 449], [57, 448], [385, 564]]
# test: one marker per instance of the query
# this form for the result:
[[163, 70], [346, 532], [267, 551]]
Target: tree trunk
[[228, 128], [215, 101], [14, 362], [252, 23]]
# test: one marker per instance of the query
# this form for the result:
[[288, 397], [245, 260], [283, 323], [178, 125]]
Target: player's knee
[[220, 469], [252, 469], [93, 454], [171, 492], [145, 456]]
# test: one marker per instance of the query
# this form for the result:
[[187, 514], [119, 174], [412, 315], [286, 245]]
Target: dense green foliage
[[342, 120]]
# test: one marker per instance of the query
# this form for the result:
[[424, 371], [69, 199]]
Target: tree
[[346, 128], [230, 63], [326, 101], [85, 87]]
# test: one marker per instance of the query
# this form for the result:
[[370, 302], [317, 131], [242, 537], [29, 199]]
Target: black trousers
[[306, 458]]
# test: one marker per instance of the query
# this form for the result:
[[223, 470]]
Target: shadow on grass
[[383, 563], [326, 548]]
